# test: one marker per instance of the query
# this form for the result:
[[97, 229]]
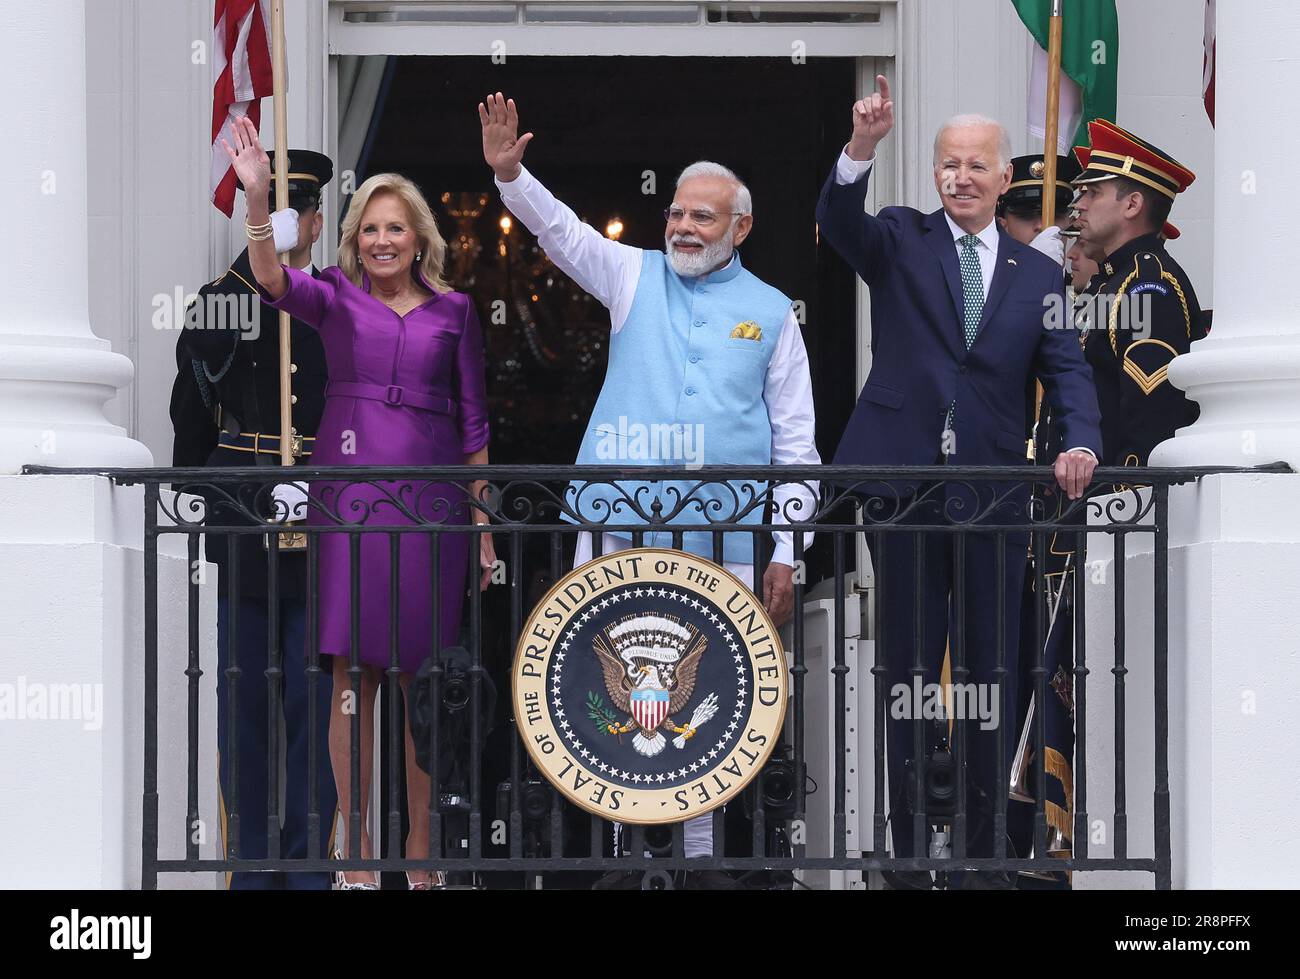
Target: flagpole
[[1050, 136], [280, 103], [1052, 124]]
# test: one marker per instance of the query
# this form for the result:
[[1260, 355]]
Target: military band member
[[1057, 614], [226, 413], [1144, 312], [1020, 209], [1080, 266], [1081, 283], [1020, 213]]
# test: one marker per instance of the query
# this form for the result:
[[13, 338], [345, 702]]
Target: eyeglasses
[[699, 217]]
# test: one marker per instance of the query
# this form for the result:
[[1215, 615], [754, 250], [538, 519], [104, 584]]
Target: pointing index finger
[[882, 83]]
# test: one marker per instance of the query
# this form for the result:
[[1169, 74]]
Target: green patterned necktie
[[972, 286], [972, 294]]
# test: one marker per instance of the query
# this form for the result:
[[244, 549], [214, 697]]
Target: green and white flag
[[1089, 66]]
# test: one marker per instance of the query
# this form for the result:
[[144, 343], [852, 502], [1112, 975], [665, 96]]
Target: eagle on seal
[[650, 664]]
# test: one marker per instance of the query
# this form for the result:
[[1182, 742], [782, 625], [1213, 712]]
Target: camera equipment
[[449, 679], [440, 701], [659, 841], [776, 786], [940, 776], [534, 810], [455, 690], [940, 787]]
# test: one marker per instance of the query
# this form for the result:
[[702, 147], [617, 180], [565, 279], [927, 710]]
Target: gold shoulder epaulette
[[231, 271], [1156, 274]]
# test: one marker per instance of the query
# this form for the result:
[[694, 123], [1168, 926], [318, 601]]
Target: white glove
[[285, 226], [1051, 244], [290, 502]]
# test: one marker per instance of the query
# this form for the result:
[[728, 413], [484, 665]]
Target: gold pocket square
[[748, 330]]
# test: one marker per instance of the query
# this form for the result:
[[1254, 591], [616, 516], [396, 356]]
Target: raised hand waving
[[503, 147], [252, 165]]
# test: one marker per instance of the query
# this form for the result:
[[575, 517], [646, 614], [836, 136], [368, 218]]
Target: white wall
[[955, 56], [145, 119], [152, 226], [1160, 47]]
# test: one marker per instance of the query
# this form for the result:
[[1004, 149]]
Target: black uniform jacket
[[228, 378], [1141, 314]]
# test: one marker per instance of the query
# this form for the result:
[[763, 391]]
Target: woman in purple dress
[[405, 360]]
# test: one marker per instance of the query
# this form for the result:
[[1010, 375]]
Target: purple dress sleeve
[[471, 385], [307, 298]]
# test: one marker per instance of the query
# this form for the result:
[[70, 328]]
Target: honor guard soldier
[[226, 412], [1144, 312], [1020, 214], [1082, 285], [1020, 209]]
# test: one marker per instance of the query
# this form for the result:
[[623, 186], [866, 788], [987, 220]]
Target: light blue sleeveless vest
[[684, 386]]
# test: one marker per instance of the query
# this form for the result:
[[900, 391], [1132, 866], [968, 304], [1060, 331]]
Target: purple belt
[[392, 394]]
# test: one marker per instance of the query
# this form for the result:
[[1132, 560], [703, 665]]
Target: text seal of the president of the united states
[[649, 686]]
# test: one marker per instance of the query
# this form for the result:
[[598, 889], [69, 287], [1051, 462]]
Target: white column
[[1246, 374], [72, 719], [55, 374], [1233, 539]]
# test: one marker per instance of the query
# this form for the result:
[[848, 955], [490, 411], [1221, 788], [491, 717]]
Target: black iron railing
[[494, 786]]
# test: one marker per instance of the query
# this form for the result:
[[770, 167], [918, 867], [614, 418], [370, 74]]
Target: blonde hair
[[432, 247]]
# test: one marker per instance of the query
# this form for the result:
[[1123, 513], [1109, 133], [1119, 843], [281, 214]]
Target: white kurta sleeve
[[603, 267], [787, 392]]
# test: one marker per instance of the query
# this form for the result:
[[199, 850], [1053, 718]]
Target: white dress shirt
[[610, 271], [850, 171]]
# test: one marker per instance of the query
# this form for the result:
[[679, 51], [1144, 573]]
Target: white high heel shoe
[[343, 884]]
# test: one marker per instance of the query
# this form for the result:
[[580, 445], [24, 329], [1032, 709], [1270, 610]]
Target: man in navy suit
[[963, 318]]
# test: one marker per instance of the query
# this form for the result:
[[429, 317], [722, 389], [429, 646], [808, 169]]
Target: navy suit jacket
[[920, 363]]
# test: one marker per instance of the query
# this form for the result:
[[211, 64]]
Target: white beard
[[708, 258]]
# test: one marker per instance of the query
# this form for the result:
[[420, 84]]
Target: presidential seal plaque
[[649, 686]]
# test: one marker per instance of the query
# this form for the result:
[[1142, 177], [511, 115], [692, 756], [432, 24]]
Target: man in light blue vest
[[706, 367]]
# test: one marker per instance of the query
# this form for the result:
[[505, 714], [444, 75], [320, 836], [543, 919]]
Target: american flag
[[241, 71]]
